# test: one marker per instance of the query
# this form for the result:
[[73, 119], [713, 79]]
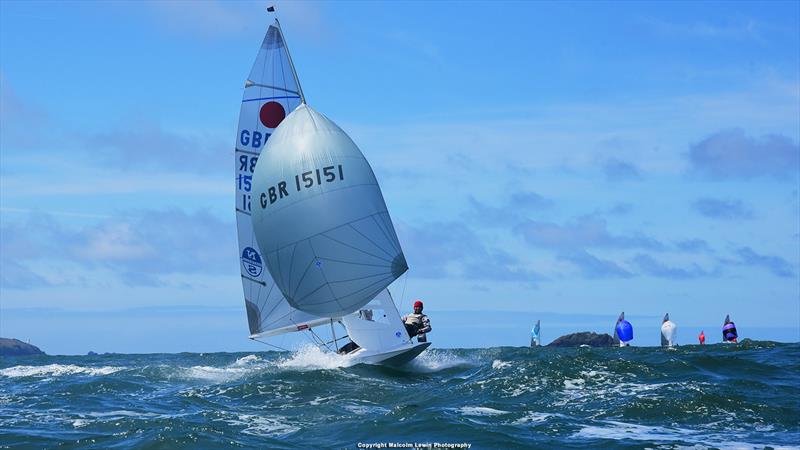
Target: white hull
[[391, 358]]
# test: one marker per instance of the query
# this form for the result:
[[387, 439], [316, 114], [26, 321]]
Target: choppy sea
[[717, 396]]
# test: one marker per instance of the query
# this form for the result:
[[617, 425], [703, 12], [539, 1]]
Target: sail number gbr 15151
[[305, 180]]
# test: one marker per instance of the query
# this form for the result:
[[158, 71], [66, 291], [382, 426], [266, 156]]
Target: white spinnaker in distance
[[270, 93], [535, 339], [320, 218], [669, 332]]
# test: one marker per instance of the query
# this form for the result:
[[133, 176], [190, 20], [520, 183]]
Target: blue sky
[[539, 158]]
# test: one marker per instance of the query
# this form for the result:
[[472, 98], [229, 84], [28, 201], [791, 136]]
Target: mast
[[289, 54]]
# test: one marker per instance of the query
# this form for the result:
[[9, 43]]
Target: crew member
[[417, 324]]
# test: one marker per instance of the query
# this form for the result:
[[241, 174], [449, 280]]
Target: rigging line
[[319, 339], [267, 343], [333, 333], [339, 339], [403, 295], [291, 64], [283, 71], [310, 339]]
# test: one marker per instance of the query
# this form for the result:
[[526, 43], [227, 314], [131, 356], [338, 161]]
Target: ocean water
[[717, 396]]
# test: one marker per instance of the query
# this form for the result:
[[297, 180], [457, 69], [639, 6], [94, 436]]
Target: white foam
[[574, 383], [56, 370], [620, 430], [497, 364], [532, 417], [110, 415], [233, 371], [310, 357], [214, 374], [246, 360], [480, 411], [319, 400], [79, 423], [363, 410], [263, 426], [433, 361]]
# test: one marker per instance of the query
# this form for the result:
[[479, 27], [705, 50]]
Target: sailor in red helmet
[[417, 324]]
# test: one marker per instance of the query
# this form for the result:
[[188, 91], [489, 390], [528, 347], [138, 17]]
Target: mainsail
[[320, 218], [271, 90]]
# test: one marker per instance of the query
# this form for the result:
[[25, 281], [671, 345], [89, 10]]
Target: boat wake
[[56, 370], [310, 357]]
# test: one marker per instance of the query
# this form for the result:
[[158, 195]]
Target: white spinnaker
[[535, 339], [270, 93], [320, 218], [669, 333]]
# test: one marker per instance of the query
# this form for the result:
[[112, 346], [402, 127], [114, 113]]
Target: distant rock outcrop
[[583, 338], [15, 347]]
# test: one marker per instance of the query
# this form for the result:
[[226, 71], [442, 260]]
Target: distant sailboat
[[317, 243], [623, 331], [729, 333], [535, 340], [669, 332]]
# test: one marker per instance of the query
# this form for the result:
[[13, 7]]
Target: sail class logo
[[251, 261], [272, 114]]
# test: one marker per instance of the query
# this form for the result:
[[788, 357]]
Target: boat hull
[[393, 358]]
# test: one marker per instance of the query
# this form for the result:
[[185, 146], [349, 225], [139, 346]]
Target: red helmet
[[418, 303]]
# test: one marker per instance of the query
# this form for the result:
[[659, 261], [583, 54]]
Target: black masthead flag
[[270, 9]]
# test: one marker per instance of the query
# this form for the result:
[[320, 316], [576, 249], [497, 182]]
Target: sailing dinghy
[[669, 332], [623, 331], [729, 333], [316, 243], [535, 340]]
